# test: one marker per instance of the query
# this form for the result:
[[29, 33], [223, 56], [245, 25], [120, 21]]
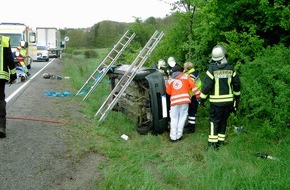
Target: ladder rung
[[127, 77], [110, 59], [103, 65]]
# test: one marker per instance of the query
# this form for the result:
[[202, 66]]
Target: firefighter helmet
[[218, 53], [46, 75], [161, 64], [171, 61], [22, 43]]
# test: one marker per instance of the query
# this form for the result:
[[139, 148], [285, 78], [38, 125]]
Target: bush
[[90, 54], [265, 90], [69, 50]]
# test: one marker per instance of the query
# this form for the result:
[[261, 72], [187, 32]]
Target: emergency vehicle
[[18, 32]]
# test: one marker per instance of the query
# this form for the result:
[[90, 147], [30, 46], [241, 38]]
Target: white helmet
[[171, 61], [46, 75], [22, 43], [218, 53], [161, 63]]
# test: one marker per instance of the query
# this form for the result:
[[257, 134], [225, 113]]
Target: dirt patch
[[39, 151]]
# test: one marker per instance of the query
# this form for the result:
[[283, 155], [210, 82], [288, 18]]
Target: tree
[[107, 33]]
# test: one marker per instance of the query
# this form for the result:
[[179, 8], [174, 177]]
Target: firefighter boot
[[2, 132], [2, 119], [221, 143], [190, 128], [213, 145]]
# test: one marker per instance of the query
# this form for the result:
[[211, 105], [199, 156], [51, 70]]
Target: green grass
[[151, 162]]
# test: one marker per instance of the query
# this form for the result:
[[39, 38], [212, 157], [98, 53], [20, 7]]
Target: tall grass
[[151, 162]]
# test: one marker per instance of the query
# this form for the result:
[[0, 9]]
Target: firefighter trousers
[[2, 104], [218, 116], [192, 112]]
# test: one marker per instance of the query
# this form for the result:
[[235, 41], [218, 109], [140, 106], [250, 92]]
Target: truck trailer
[[18, 32], [50, 37]]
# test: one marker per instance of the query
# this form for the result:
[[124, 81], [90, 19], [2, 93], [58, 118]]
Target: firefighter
[[161, 66], [7, 73], [222, 85], [193, 106], [178, 87], [171, 63], [21, 54]]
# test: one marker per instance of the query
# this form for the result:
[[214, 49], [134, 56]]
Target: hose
[[41, 120]]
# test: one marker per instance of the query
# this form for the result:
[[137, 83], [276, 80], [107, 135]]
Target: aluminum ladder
[[106, 64], [128, 76]]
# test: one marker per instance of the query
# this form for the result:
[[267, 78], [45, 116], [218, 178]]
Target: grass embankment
[[152, 162]]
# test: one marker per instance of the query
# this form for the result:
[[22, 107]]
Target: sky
[[80, 13]]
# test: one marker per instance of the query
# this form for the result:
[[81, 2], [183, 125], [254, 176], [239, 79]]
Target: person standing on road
[[178, 87], [7, 73], [21, 53], [222, 84], [193, 106]]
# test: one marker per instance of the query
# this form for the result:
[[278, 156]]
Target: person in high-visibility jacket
[[222, 85], [177, 87], [7, 74], [21, 53], [193, 106]]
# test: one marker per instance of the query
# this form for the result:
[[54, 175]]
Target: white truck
[[18, 32], [50, 37]]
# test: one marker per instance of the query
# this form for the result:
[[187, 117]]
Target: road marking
[[26, 83]]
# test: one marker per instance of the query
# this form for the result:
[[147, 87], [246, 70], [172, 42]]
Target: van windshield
[[14, 39]]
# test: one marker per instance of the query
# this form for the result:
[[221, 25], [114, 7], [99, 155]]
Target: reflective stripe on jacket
[[7, 65], [193, 74], [221, 83], [178, 88]]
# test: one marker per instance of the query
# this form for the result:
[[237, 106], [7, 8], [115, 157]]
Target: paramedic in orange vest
[[7, 73], [178, 87]]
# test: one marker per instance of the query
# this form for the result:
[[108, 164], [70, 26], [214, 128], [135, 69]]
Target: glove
[[201, 101], [13, 78], [236, 104]]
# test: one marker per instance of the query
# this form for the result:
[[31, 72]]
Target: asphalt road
[[36, 153], [37, 68]]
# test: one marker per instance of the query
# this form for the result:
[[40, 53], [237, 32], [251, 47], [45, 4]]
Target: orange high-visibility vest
[[178, 88]]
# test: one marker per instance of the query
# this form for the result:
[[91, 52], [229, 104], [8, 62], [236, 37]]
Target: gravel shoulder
[[40, 150]]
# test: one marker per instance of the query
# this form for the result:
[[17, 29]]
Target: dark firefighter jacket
[[221, 83], [7, 65]]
